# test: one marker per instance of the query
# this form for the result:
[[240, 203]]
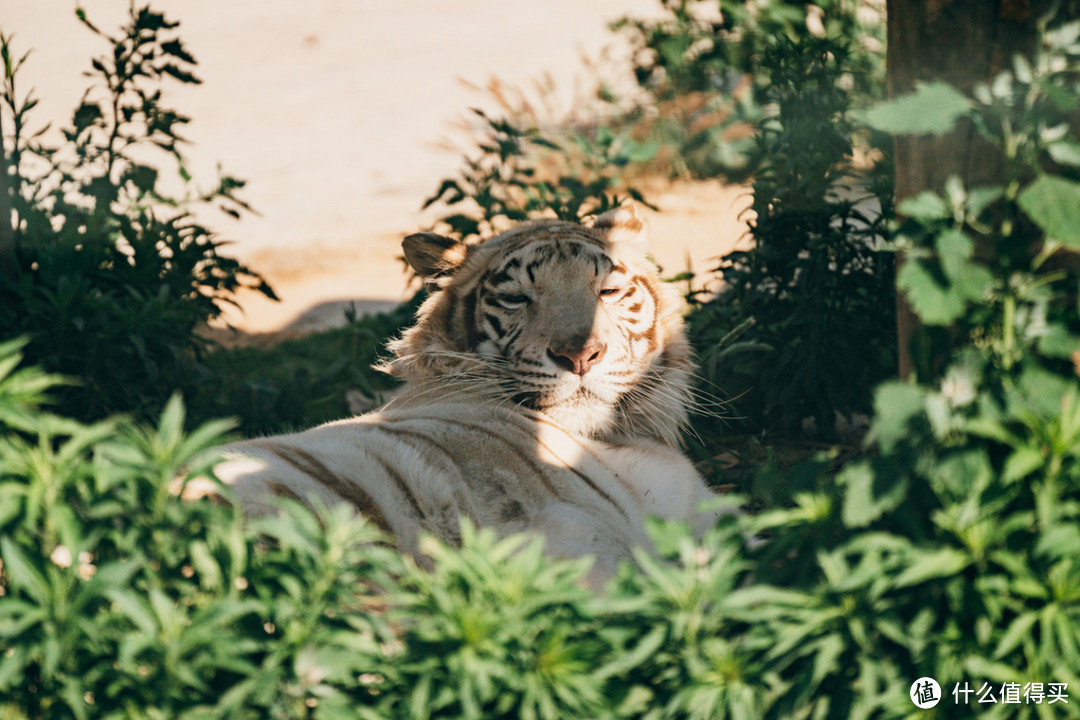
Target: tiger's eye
[[513, 301], [608, 292]]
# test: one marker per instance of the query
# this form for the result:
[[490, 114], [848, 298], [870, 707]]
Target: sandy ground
[[338, 113]]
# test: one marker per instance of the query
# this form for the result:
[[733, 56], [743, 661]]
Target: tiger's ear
[[433, 256], [623, 225]]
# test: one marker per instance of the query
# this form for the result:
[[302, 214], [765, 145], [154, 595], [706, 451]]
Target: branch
[[7, 232]]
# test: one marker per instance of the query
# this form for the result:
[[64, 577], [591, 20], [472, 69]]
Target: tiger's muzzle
[[577, 355]]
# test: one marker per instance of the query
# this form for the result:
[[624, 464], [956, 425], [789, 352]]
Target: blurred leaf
[[942, 563], [22, 572], [925, 206], [933, 109], [1053, 203], [896, 407]]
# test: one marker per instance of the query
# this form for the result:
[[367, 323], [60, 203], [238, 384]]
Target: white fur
[[511, 470], [583, 470]]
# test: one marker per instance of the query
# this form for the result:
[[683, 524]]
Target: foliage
[[292, 385], [963, 567], [951, 550], [703, 65], [111, 276], [120, 600], [994, 267], [803, 327], [520, 174]]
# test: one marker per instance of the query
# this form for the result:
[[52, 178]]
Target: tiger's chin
[[581, 410]]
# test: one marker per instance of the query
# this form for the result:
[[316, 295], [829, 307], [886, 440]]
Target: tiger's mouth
[[541, 400]]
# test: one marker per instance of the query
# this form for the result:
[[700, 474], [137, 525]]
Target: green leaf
[[896, 405], [1060, 541], [85, 115], [942, 563], [927, 205], [645, 649], [932, 302], [143, 177], [1018, 630], [868, 495], [1021, 463], [22, 572], [955, 250], [1053, 203], [933, 109], [176, 49], [1065, 152], [980, 198], [181, 75], [1058, 342], [135, 608]]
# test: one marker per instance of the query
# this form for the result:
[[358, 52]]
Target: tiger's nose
[[578, 357]]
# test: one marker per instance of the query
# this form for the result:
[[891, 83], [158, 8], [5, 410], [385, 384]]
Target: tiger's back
[[420, 468]]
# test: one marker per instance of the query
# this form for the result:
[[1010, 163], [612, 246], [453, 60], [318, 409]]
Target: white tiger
[[547, 378]]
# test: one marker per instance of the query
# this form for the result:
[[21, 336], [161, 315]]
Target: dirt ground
[[339, 113]]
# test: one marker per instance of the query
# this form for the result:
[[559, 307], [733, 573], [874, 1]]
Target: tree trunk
[[963, 43]]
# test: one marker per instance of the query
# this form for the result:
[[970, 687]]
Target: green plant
[[117, 599], [804, 325], [521, 174], [953, 551], [292, 385], [704, 66], [709, 45], [110, 277]]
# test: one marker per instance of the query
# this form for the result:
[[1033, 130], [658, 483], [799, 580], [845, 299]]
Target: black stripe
[[493, 281], [351, 492], [284, 491], [402, 484], [469, 310], [514, 335], [493, 321], [541, 419], [533, 465]]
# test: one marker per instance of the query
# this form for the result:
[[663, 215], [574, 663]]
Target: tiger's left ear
[[623, 225], [433, 257]]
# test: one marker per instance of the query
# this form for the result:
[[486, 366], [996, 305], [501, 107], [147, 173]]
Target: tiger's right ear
[[433, 256]]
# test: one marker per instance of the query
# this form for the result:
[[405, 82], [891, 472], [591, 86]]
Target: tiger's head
[[570, 320]]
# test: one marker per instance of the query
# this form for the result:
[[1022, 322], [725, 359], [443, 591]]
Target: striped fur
[[576, 283], [547, 378]]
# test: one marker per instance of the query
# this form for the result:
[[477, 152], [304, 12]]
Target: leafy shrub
[[703, 65], [522, 174], [950, 550], [109, 276], [954, 552], [119, 600], [302, 382], [804, 325]]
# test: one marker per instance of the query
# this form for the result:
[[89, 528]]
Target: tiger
[[546, 384]]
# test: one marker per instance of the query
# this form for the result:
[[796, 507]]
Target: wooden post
[[961, 42]]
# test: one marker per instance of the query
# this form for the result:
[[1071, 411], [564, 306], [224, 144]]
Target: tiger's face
[[569, 320], [570, 323]]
